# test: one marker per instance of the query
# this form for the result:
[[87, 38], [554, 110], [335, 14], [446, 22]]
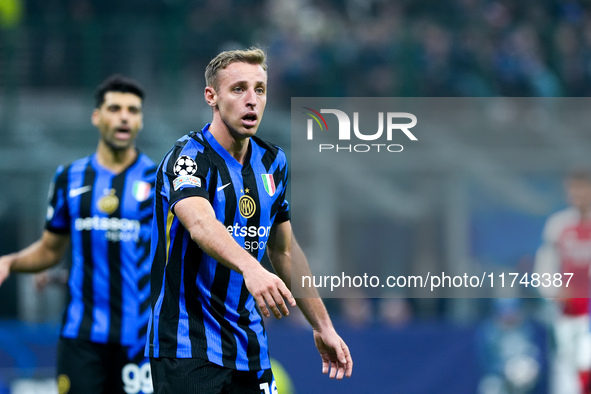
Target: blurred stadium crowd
[[321, 48]]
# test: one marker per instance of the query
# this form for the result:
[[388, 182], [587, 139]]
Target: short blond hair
[[252, 56]]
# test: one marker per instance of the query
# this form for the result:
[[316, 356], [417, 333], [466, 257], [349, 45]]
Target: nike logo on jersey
[[80, 190], [223, 187]]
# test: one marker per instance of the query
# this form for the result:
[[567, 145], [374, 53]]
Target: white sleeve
[[547, 259]]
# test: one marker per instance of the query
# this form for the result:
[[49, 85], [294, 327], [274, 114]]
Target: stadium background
[[54, 52]]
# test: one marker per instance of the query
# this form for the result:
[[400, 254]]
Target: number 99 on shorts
[[137, 379]]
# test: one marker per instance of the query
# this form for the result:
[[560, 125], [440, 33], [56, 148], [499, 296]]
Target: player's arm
[[287, 257], [198, 217], [46, 252]]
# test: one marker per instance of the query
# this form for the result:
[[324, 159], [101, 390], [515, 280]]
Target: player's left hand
[[335, 354]]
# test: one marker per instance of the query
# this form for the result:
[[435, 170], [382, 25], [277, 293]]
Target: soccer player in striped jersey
[[101, 205], [219, 205]]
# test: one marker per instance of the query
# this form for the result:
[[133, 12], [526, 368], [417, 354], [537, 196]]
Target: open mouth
[[122, 133], [250, 118]]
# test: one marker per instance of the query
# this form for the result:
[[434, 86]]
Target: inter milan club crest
[[109, 202], [247, 206], [269, 184], [63, 384]]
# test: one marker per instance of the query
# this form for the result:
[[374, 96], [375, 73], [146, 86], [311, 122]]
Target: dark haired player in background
[[102, 205], [566, 248], [220, 203]]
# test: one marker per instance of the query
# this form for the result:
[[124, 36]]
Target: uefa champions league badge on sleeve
[[185, 180], [184, 165], [184, 168]]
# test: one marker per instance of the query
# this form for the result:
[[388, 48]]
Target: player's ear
[[95, 117], [210, 96]]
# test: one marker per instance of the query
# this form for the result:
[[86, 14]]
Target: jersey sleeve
[[283, 213], [145, 212], [547, 260], [188, 172], [57, 219]]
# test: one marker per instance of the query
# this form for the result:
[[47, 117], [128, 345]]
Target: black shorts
[[195, 375], [86, 367]]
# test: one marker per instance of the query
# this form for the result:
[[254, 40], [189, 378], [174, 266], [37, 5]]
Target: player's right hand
[[269, 290], [5, 263]]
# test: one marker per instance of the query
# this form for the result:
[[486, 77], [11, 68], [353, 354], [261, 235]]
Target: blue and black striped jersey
[[109, 218], [199, 307]]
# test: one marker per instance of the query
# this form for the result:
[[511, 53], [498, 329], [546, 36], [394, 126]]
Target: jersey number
[[265, 388]]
